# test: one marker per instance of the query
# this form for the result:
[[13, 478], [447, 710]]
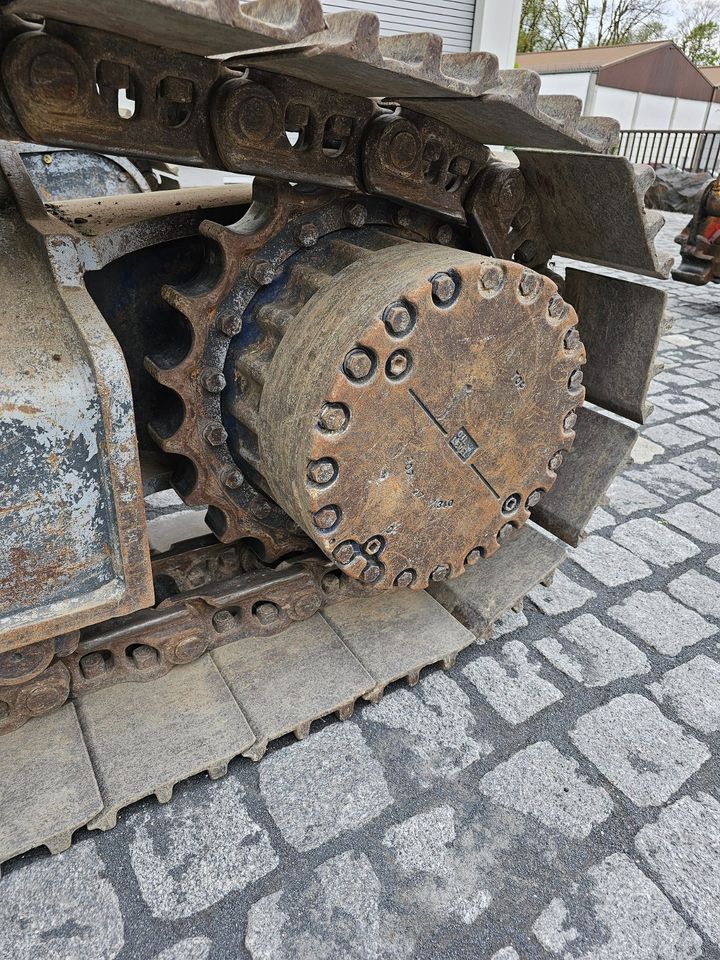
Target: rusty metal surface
[[65, 174], [620, 324], [73, 527], [601, 449], [700, 241], [609, 226]]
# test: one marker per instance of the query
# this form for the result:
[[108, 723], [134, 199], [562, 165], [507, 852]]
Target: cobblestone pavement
[[556, 795]]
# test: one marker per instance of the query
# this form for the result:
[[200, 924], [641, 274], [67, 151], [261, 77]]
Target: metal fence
[[692, 150]]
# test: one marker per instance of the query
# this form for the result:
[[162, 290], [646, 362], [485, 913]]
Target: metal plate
[[620, 325], [602, 446], [500, 582]]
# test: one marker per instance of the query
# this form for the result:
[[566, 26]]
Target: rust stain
[[19, 407]]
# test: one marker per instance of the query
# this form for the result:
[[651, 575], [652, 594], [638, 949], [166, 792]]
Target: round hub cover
[[417, 407]]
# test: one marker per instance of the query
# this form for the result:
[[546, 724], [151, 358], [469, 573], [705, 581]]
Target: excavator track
[[387, 143]]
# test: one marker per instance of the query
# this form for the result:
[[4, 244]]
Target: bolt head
[[572, 339], [371, 573], [405, 579], [534, 499], [333, 417], [326, 518], [403, 218], [473, 557], [233, 478], [331, 584], [321, 471], [511, 504], [397, 364], [215, 434], [344, 553], [440, 573], [374, 545], [230, 324], [398, 320], [556, 306], [261, 509], [144, 657], [444, 234], [505, 532], [306, 606], [356, 215], [575, 380], [266, 613], [358, 364], [443, 288], [556, 461], [189, 649], [307, 235], [47, 159], [262, 272], [530, 284], [223, 621], [492, 279], [93, 665], [214, 381], [570, 421]]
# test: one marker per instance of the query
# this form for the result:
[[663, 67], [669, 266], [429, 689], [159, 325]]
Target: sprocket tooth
[[421, 51], [478, 68], [564, 109], [519, 87], [185, 303], [604, 132]]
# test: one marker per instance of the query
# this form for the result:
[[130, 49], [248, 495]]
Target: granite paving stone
[[661, 622]]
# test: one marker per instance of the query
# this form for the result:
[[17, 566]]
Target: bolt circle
[[214, 381], [371, 573], [398, 365], [398, 320], [440, 573], [512, 504], [322, 471], [326, 518], [344, 553], [232, 478], [358, 364], [534, 498], [473, 557], [444, 289], [405, 579], [334, 417], [530, 285], [215, 434]]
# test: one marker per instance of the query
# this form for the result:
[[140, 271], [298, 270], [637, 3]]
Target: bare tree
[[567, 24], [698, 33]]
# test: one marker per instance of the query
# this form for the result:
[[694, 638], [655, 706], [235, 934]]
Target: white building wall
[[689, 114], [713, 122], [452, 19], [619, 104], [558, 84], [654, 113], [496, 28]]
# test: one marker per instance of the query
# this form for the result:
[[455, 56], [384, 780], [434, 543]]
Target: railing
[[696, 151]]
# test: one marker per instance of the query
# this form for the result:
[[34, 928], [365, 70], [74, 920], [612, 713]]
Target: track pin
[[302, 731], [217, 770], [164, 793], [413, 678], [344, 713]]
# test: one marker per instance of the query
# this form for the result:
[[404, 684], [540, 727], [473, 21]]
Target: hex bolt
[[355, 215], [398, 320], [371, 573], [47, 159], [572, 339], [492, 279], [326, 518], [475, 556], [331, 584], [504, 532], [534, 498], [405, 579], [93, 665], [232, 478], [214, 381], [374, 545], [358, 364], [397, 364], [443, 288], [144, 657], [530, 284], [266, 613], [223, 621], [333, 417], [322, 471], [440, 573], [229, 323], [262, 272], [444, 234], [344, 553], [575, 380], [556, 461], [570, 421], [511, 504], [215, 434], [307, 235], [556, 306], [403, 218], [261, 509]]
